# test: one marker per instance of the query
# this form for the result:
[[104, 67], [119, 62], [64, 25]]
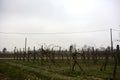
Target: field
[[46, 64], [60, 70]]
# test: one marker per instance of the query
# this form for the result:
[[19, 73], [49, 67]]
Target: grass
[[24, 70]]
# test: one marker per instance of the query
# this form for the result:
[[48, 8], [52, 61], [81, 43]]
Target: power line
[[21, 33], [116, 30]]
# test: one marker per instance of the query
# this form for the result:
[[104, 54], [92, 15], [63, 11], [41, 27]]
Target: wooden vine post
[[116, 62], [34, 54], [14, 53], [70, 49]]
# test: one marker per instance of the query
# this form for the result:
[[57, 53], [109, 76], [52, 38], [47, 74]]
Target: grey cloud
[[40, 8]]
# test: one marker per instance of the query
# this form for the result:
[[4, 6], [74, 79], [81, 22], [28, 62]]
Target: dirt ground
[[3, 77]]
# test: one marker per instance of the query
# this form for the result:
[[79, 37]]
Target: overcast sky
[[58, 16]]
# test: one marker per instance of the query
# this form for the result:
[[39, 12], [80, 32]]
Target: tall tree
[[4, 50]]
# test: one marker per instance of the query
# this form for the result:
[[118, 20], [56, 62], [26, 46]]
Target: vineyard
[[50, 64]]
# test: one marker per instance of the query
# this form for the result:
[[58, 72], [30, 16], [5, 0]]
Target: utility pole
[[111, 39], [25, 43]]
